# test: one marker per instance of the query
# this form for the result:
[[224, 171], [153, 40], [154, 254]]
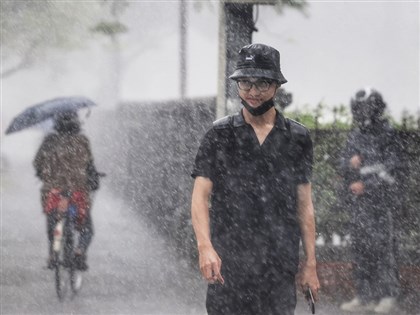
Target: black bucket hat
[[258, 60]]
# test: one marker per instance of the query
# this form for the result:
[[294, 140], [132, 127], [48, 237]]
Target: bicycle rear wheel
[[60, 283], [67, 276], [75, 279]]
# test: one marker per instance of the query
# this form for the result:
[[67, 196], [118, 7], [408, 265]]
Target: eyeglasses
[[260, 85]]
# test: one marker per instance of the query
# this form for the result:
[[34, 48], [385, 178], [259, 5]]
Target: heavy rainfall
[[150, 78]]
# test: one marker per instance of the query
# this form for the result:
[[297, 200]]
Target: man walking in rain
[[369, 165], [256, 167]]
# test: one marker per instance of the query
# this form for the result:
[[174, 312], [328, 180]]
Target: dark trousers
[[273, 293], [374, 250]]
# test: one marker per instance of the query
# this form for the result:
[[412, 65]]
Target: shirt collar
[[239, 120]]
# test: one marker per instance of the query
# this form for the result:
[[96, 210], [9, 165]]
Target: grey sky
[[343, 46], [340, 47]]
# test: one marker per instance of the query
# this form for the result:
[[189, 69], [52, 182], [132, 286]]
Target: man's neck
[[268, 118]]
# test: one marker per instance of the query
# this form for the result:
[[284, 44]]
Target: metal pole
[[238, 25], [221, 82], [183, 48]]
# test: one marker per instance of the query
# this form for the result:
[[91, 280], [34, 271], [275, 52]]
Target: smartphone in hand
[[310, 298]]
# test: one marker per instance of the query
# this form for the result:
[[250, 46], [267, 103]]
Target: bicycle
[[65, 235], [64, 263]]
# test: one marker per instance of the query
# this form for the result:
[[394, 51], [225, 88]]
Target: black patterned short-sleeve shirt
[[253, 203]]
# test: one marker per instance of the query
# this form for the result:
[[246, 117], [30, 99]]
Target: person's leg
[[387, 266], [364, 262], [239, 295], [222, 299], [85, 238], [278, 294], [86, 234], [51, 222], [362, 278], [363, 248], [364, 270], [386, 277]]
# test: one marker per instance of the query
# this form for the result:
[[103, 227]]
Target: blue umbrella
[[46, 110]]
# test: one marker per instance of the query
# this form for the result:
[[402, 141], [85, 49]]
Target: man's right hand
[[210, 264]]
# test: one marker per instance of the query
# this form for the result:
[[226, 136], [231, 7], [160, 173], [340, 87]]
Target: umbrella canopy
[[46, 110]]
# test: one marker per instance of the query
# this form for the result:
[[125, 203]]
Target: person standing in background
[[369, 166]]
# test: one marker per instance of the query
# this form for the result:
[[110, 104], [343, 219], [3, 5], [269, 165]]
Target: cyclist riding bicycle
[[64, 163]]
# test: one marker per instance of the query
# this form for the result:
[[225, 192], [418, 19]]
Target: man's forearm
[[200, 211], [307, 227], [201, 224], [307, 222], [308, 274], [209, 261]]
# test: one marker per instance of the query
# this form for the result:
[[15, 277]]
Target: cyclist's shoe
[[80, 262]]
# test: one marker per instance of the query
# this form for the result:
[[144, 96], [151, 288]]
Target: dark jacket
[[379, 150], [62, 162]]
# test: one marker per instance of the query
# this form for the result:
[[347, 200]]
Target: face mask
[[263, 108]]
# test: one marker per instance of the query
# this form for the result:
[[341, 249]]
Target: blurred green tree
[[30, 29]]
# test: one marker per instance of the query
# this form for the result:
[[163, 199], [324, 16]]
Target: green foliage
[[322, 117], [112, 27], [409, 122], [328, 189], [307, 119], [109, 28]]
